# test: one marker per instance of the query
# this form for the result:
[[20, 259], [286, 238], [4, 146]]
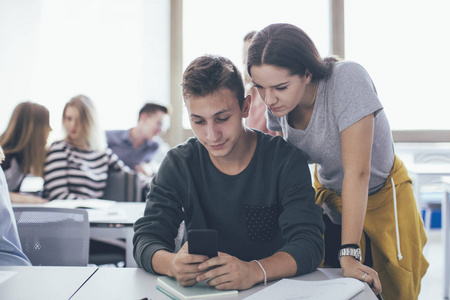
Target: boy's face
[[216, 120], [151, 124]]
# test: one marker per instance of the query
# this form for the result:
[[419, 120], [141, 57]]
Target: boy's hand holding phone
[[185, 264]]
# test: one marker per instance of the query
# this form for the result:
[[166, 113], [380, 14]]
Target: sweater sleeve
[[115, 163], [56, 183], [157, 229], [301, 220]]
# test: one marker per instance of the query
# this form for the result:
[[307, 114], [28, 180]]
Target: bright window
[[404, 45], [115, 52], [219, 27]]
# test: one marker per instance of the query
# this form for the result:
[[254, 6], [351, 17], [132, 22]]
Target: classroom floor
[[432, 282]]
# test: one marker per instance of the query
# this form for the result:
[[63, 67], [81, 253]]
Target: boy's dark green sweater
[[268, 207]]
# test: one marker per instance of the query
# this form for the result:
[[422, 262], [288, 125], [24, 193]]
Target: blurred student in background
[[141, 148], [77, 166], [24, 144], [10, 249], [257, 116]]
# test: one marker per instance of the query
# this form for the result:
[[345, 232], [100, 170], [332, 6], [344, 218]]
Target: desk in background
[[428, 174], [107, 219], [446, 235], [51, 283], [120, 228]]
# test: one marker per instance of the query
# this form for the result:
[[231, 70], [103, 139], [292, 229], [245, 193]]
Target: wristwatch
[[356, 253]]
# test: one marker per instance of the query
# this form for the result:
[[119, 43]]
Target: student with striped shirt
[[77, 167]]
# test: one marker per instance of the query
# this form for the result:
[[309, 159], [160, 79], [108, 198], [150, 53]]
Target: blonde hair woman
[[77, 166], [24, 144]]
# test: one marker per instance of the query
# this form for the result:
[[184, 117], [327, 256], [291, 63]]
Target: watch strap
[[354, 246], [356, 253]]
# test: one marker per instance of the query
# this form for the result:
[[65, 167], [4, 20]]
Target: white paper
[[5, 275], [290, 289], [107, 215], [83, 203], [31, 184]]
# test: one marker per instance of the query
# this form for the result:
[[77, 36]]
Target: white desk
[[120, 228], [55, 283], [423, 173], [420, 172], [135, 284], [113, 226], [43, 282]]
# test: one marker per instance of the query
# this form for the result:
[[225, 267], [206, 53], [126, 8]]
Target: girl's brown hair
[[26, 136]]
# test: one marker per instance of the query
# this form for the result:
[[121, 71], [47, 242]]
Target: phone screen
[[203, 241]]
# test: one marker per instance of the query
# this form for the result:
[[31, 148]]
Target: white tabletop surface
[[136, 284], [43, 282]]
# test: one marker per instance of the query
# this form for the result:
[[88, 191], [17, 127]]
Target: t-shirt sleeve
[[354, 95]]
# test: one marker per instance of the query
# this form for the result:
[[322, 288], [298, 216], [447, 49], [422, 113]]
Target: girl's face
[[72, 125], [280, 91]]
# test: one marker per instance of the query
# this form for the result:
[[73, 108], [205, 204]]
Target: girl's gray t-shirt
[[344, 98]]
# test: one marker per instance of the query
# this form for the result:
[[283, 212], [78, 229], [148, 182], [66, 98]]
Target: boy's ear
[[246, 106]]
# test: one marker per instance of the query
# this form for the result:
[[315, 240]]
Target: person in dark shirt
[[253, 188]]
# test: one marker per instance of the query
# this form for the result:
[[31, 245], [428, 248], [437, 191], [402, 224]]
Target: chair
[[121, 186], [53, 236]]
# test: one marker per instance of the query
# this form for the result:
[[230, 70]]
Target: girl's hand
[[354, 268]]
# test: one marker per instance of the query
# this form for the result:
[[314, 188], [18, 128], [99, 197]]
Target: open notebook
[[174, 290], [287, 289]]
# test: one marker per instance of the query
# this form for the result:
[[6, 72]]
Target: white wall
[[115, 52]]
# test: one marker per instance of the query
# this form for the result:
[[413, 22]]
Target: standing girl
[[330, 110]]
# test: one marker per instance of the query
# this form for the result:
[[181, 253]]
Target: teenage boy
[[254, 189]]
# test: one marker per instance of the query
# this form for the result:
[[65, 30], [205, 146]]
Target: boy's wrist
[[260, 270]]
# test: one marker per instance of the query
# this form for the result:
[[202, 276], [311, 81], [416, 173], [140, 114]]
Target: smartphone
[[203, 241]]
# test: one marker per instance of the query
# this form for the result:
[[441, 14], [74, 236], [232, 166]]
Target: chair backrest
[[122, 186], [54, 236]]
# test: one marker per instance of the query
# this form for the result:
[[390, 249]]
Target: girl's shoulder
[[59, 144], [347, 68]]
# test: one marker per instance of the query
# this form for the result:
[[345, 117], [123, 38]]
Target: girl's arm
[[356, 147]]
